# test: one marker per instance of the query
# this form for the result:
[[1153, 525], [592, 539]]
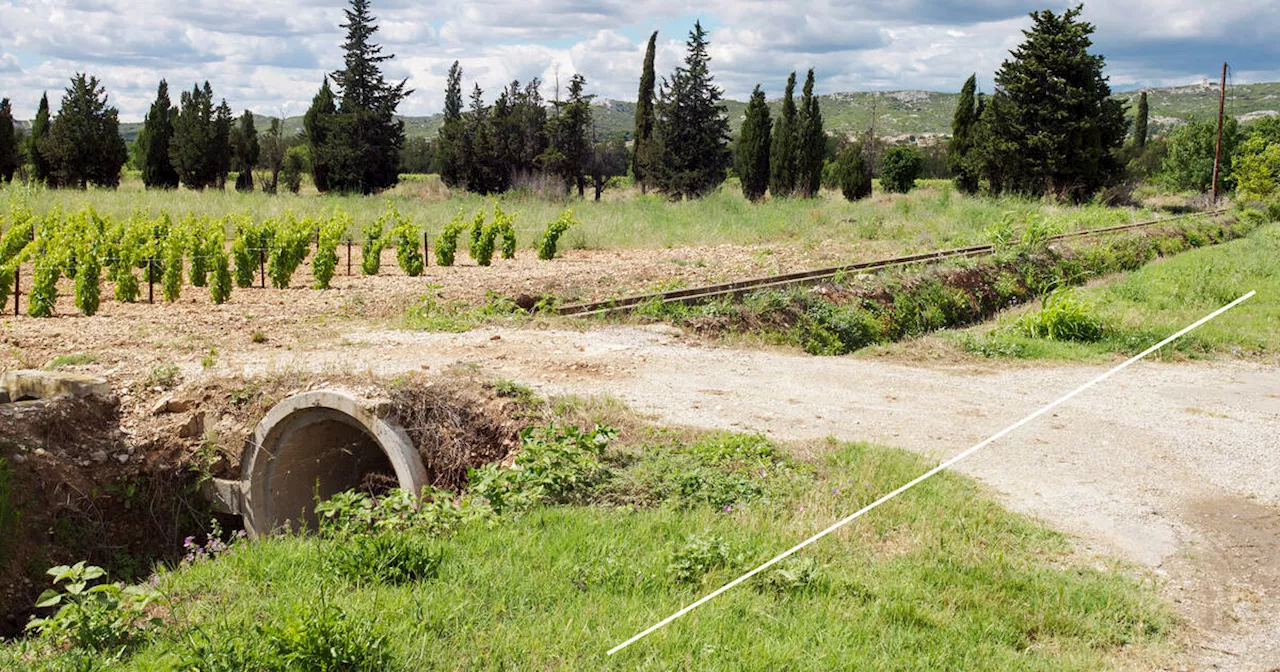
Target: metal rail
[[739, 287]]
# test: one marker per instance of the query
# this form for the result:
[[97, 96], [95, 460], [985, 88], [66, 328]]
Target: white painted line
[[919, 479]]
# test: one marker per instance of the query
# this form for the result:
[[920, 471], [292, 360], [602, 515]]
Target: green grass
[[1141, 308], [942, 578], [73, 359], [933, 216]]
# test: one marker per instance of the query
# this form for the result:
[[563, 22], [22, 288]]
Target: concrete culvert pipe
[[313, 445]]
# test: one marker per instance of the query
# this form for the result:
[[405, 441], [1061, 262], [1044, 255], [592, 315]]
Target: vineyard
[[219, 255]]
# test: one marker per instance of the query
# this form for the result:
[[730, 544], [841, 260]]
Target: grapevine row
[[85, 247]]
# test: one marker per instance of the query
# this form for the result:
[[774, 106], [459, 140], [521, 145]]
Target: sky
[[270, 55]]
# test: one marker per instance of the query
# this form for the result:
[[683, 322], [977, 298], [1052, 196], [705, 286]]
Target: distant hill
[[898, 114]]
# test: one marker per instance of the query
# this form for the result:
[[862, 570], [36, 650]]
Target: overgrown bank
[[596, 533], [852, 313]]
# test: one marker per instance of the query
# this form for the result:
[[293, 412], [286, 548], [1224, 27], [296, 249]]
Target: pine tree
[[245, 152], [1061, 137], [691, 126], [221, 150], [10, 157], [41, 171], [316, 123], [366, 137], [782, 153], [962, 129], [642, 151], [451, 137], [1140, 122], [754, 146], [568, 151], [192, 148], [812, 143], [84, 144], [153, 142]]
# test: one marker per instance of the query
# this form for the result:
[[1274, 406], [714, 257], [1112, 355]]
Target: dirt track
[[1174, 466]]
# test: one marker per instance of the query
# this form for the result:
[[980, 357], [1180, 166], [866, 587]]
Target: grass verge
[[610, 539]]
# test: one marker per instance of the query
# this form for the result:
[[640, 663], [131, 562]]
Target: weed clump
[[385, 557], [1064, 317]]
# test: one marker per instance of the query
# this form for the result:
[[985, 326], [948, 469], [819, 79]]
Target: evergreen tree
[[245, 150], [962, 129], [1140, 122], [754, 146], [271, 155], [569, 149], [153, 142], [40, 168], [84, 144], [222, 125], [782, 153], [366, 137], [642, 155], [608, 159], [316, 123], [691, 127], [1062, 125], [192, 148], [10, 157], [853, 173], [452, 136], [811, 148]]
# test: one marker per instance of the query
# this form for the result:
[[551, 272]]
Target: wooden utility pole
[[1217, 154]]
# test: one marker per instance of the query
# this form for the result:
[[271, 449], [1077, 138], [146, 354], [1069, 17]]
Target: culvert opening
[[315, 455]]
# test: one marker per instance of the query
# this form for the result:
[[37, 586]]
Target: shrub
[[1063, 317], [44, 284], [408, 254], [477, 235], [200, 235], [447, 241], [899, 169], [852, 174], [386, 557], [220, 285], [174, 251], [551, 237], [249, 249], [371, 248], [554, 465], [88, 282], [504, 227], [325, 263], [292, 242]]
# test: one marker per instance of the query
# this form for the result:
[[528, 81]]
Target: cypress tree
[[782, 154], [1140, 122], [754, 147], [367, 137], [40, 168], [191, 150], [221, 150], [812, 142], [691, 126], [642, 154], [451, 137], [962, 129], [84, 144], [245, 152], [315, 124], [9, 155], [1062, 136], [153, 142], [271, 154]]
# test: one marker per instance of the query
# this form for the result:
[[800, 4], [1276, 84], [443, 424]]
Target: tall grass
[[932, 216]]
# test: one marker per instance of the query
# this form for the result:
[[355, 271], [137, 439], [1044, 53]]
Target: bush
[[447, 241], [551, 237], [554, 465], [1063, 317], [292, 242], [852, 174], [174, 251], [387, 557], [249, 249], [504, 226], [325, 263], [477, 235], [899, 169], [405, 237], [220, 286], [88, 282], [44, 284], [105, 618], [200, 237], [371, 248]]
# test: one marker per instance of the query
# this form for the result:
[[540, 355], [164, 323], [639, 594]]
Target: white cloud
[[270, 56]]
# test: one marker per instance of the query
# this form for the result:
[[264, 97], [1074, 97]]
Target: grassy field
[[1137, 308], [930, 217], [942, 578]]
